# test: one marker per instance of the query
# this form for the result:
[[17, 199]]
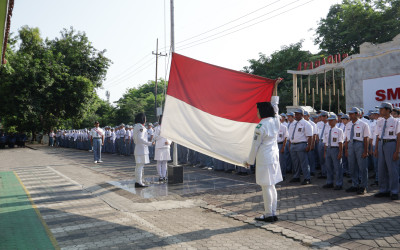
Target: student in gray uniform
[[300, 135], [333, 141], [388, 150], [357, 140]]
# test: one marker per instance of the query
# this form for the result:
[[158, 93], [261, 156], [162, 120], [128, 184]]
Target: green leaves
[[354, 22], [46, 83]]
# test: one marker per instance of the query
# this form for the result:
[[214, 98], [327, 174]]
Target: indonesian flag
[[211, 109]]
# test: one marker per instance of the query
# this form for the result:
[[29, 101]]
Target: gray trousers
[[321, 158], [282, 160], [97, 149], [300, 160], [388, 170], [358, 165], [334, 169]]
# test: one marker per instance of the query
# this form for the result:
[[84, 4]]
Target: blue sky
[[128, 30]]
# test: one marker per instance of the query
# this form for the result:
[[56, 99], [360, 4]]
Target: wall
[[373, 61]]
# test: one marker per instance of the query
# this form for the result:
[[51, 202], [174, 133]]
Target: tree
[[354, 22], [49, 82], [276, 65], [140, 99]]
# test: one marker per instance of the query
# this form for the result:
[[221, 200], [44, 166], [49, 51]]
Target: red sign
[[388, 94], [330, 59]]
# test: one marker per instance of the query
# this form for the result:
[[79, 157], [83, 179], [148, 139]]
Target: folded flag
[[213, 110]]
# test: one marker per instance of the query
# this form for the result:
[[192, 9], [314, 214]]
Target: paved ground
[[83, 210]]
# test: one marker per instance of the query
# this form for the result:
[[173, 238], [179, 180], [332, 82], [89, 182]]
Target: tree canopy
[[354, 22], [47, 82]]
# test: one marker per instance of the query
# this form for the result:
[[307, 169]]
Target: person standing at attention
[[265, 149], [97, 140], [162, 154], [142, 144]]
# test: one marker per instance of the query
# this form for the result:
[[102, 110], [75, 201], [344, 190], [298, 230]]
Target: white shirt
[[314, 127], [303, 130], [113, 136], [140, 139], [283, 133], [373, 134], [96, 133], [122, 132], [361, 130], [391, 130], [322, 128], [337, 136], [265, 147], [107, 133], [341, 125], [127, 134], [365, 120], [160, 141]]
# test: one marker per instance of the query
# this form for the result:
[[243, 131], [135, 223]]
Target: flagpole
[[175, 153]]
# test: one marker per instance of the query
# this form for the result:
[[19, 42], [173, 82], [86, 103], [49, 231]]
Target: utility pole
[[172, 27], [155, 91], [175, 153]]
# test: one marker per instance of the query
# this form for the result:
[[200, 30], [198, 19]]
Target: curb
[[290, 234]]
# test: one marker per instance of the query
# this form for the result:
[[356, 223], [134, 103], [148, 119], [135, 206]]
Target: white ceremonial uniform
[[141, 144], [141, 150], [162, 151], [265, 150]]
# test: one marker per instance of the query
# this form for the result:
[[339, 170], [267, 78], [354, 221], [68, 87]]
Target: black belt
[[387, 140], [280, 142], [333, 147], [356, 141], [96, 137], [294, 143]]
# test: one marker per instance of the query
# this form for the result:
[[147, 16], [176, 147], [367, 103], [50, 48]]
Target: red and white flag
[[213, 110]]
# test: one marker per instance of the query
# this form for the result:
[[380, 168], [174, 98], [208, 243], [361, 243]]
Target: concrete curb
[[303, 238]]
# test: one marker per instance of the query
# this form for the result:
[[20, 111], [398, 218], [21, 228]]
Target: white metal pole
[[175, 153]]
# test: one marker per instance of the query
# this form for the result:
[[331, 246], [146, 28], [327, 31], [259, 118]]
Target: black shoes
[[362, 191], [160, 179], [306, 182], [138, 185], [320, 176], [380, 195], [337, 188], [294, 180], [387, 194], [328, 186], [267, 219], [352, 189]]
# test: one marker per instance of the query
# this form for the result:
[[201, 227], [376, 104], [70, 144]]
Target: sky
[[226, 33]]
